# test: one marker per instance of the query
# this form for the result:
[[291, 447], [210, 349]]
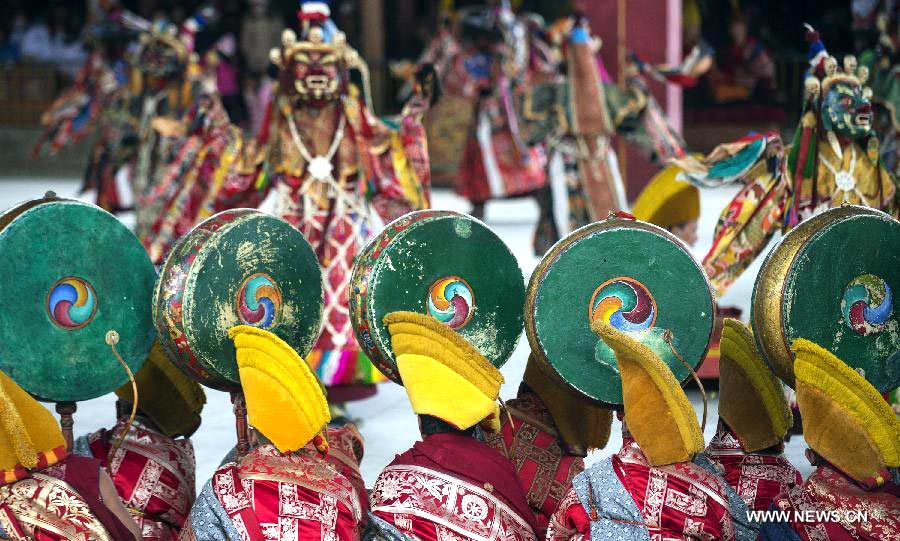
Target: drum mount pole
[[240, 424], [66, 410]]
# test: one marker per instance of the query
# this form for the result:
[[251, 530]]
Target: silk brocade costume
[[623, 497], [271, 496], [153, 475], [828, 490], [452, 486], [544, 464], [758, 478], [61, 502]]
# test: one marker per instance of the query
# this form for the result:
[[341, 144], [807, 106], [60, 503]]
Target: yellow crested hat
[[285, 401], [166, 395], [444, 375], [667, 201], [30, 437], [657, 412], [751, 400], [845, 419], [582, 425]]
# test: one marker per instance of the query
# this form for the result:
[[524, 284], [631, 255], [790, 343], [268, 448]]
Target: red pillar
[[652, 29]]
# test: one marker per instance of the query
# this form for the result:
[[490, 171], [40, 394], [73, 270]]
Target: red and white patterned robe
[[271, 496], [828, 490], [544, 466], [757, 478], [678, 501], [153, 474], [453, 487], [345, 453], [59, 503]]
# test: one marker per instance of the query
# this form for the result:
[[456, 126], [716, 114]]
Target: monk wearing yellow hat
[[650, 488], [670, 203], [453, 389], [754, 418], [546, 432], [151, 459], [854, 443], [285, 488], [45, 493]]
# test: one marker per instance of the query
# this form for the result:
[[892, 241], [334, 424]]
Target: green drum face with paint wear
[[239, 267], [448, 265], [633, 275], [832, 280], [74, 272]]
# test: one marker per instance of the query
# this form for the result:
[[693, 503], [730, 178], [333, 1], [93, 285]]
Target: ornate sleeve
[[402, 171]]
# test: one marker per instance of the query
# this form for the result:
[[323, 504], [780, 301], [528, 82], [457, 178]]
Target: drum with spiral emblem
[[239, 267], [73, 273], [637, 277], [445, 264], [831, 280]]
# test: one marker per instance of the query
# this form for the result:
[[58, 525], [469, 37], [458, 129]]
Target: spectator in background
[[9, 52], [227, 79], [865, 12], [745, 70], [55, 41], [260, 31], [696, 51]]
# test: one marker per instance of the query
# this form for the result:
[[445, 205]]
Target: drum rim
[[767, 299], [9, 215], [217, 381], [612, 222]]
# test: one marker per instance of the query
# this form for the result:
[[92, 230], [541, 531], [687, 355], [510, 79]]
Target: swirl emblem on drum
[[451, 301], [867, 304], [624, 303], [71, 303], [259, 301]]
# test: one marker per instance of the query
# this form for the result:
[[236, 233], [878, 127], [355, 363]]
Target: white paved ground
[[386, 420]]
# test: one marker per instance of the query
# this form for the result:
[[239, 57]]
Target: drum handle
[[112, 338], [240, 424], [669, 339], [66, 422]]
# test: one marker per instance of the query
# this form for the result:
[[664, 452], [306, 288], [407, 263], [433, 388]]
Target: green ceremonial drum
[[445, 264], [74, 272], [239, 267], [831, 280], [637, 277]]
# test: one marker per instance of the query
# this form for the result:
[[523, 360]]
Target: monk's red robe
[[345, 453], [678, 501], [544, 465], [757, 478], [273, 496], [839, 503], [452, 486], [59, 503], [153, 474]]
